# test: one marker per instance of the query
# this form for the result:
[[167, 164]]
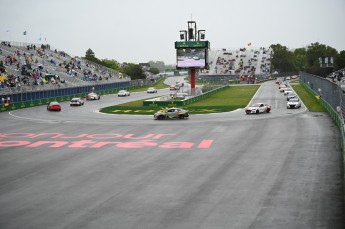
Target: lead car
[[257, 108], [171, 113]]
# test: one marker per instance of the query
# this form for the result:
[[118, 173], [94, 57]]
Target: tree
[[154, 70], [133, 70], [283, 60], [157, 64], [90, 55], [301, 58], [340, 60], [113, 64], [314, 52]]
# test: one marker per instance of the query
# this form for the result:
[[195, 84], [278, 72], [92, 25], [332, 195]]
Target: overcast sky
[[138, 31]]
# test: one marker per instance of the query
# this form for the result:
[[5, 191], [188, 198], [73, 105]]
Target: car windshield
[[256, 105], [294, 100]]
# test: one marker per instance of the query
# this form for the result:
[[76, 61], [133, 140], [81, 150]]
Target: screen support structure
[[192, 81]]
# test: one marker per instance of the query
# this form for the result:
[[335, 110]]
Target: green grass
[[232, 96], [229, 99], [225, 100], [308, 99]]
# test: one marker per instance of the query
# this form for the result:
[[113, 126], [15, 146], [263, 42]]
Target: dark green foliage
[[90, 55], [133, 70], [154, 70], [305, 59], [157, 64], [283, 60], [113, 64], [340, 61]]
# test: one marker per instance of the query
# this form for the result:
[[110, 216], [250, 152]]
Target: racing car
[[54, 106], [123, 93], [293, 103], [76, 102], [151, 90], [93, 96], [257, 108], [171, 113]]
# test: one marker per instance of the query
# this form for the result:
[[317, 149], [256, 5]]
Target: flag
[[250, 43], [24, 33], [8, 31]]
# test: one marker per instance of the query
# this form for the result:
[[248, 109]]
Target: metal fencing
[[330, 92], [332, 99], [20, 94]]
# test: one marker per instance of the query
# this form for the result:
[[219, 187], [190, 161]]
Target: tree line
[[305, 59]]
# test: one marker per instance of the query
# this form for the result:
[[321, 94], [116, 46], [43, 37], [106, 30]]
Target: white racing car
[[257, 108], [123, 93], [93, 96], [293, 103]]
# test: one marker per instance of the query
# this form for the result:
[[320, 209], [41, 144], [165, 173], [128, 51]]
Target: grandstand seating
[[243, 61], [67, 71]]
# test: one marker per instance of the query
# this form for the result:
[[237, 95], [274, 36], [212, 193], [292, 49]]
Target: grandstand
[[242, 61], [32, 67]]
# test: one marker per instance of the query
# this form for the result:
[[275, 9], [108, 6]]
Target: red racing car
[[54, 106]]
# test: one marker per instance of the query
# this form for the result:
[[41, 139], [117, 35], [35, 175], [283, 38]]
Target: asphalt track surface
[[82, 169]]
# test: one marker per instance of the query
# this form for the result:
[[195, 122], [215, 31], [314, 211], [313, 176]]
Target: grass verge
[[308, 99]]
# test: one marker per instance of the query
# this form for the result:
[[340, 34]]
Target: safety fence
[[37, 98], [331, 98]]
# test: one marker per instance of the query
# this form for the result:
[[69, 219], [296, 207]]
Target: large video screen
[[191, 58]]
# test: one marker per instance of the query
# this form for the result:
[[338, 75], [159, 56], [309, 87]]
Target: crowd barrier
[[38, 98]]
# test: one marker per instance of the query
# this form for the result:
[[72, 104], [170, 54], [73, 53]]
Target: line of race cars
[[179, 113], [293, 101], [77, 101]]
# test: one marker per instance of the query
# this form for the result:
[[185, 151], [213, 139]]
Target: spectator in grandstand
[[2, 67]]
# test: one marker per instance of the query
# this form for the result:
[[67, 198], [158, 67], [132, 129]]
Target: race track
[[82, 169]]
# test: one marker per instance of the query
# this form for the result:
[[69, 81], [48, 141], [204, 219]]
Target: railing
[[22, 99]]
